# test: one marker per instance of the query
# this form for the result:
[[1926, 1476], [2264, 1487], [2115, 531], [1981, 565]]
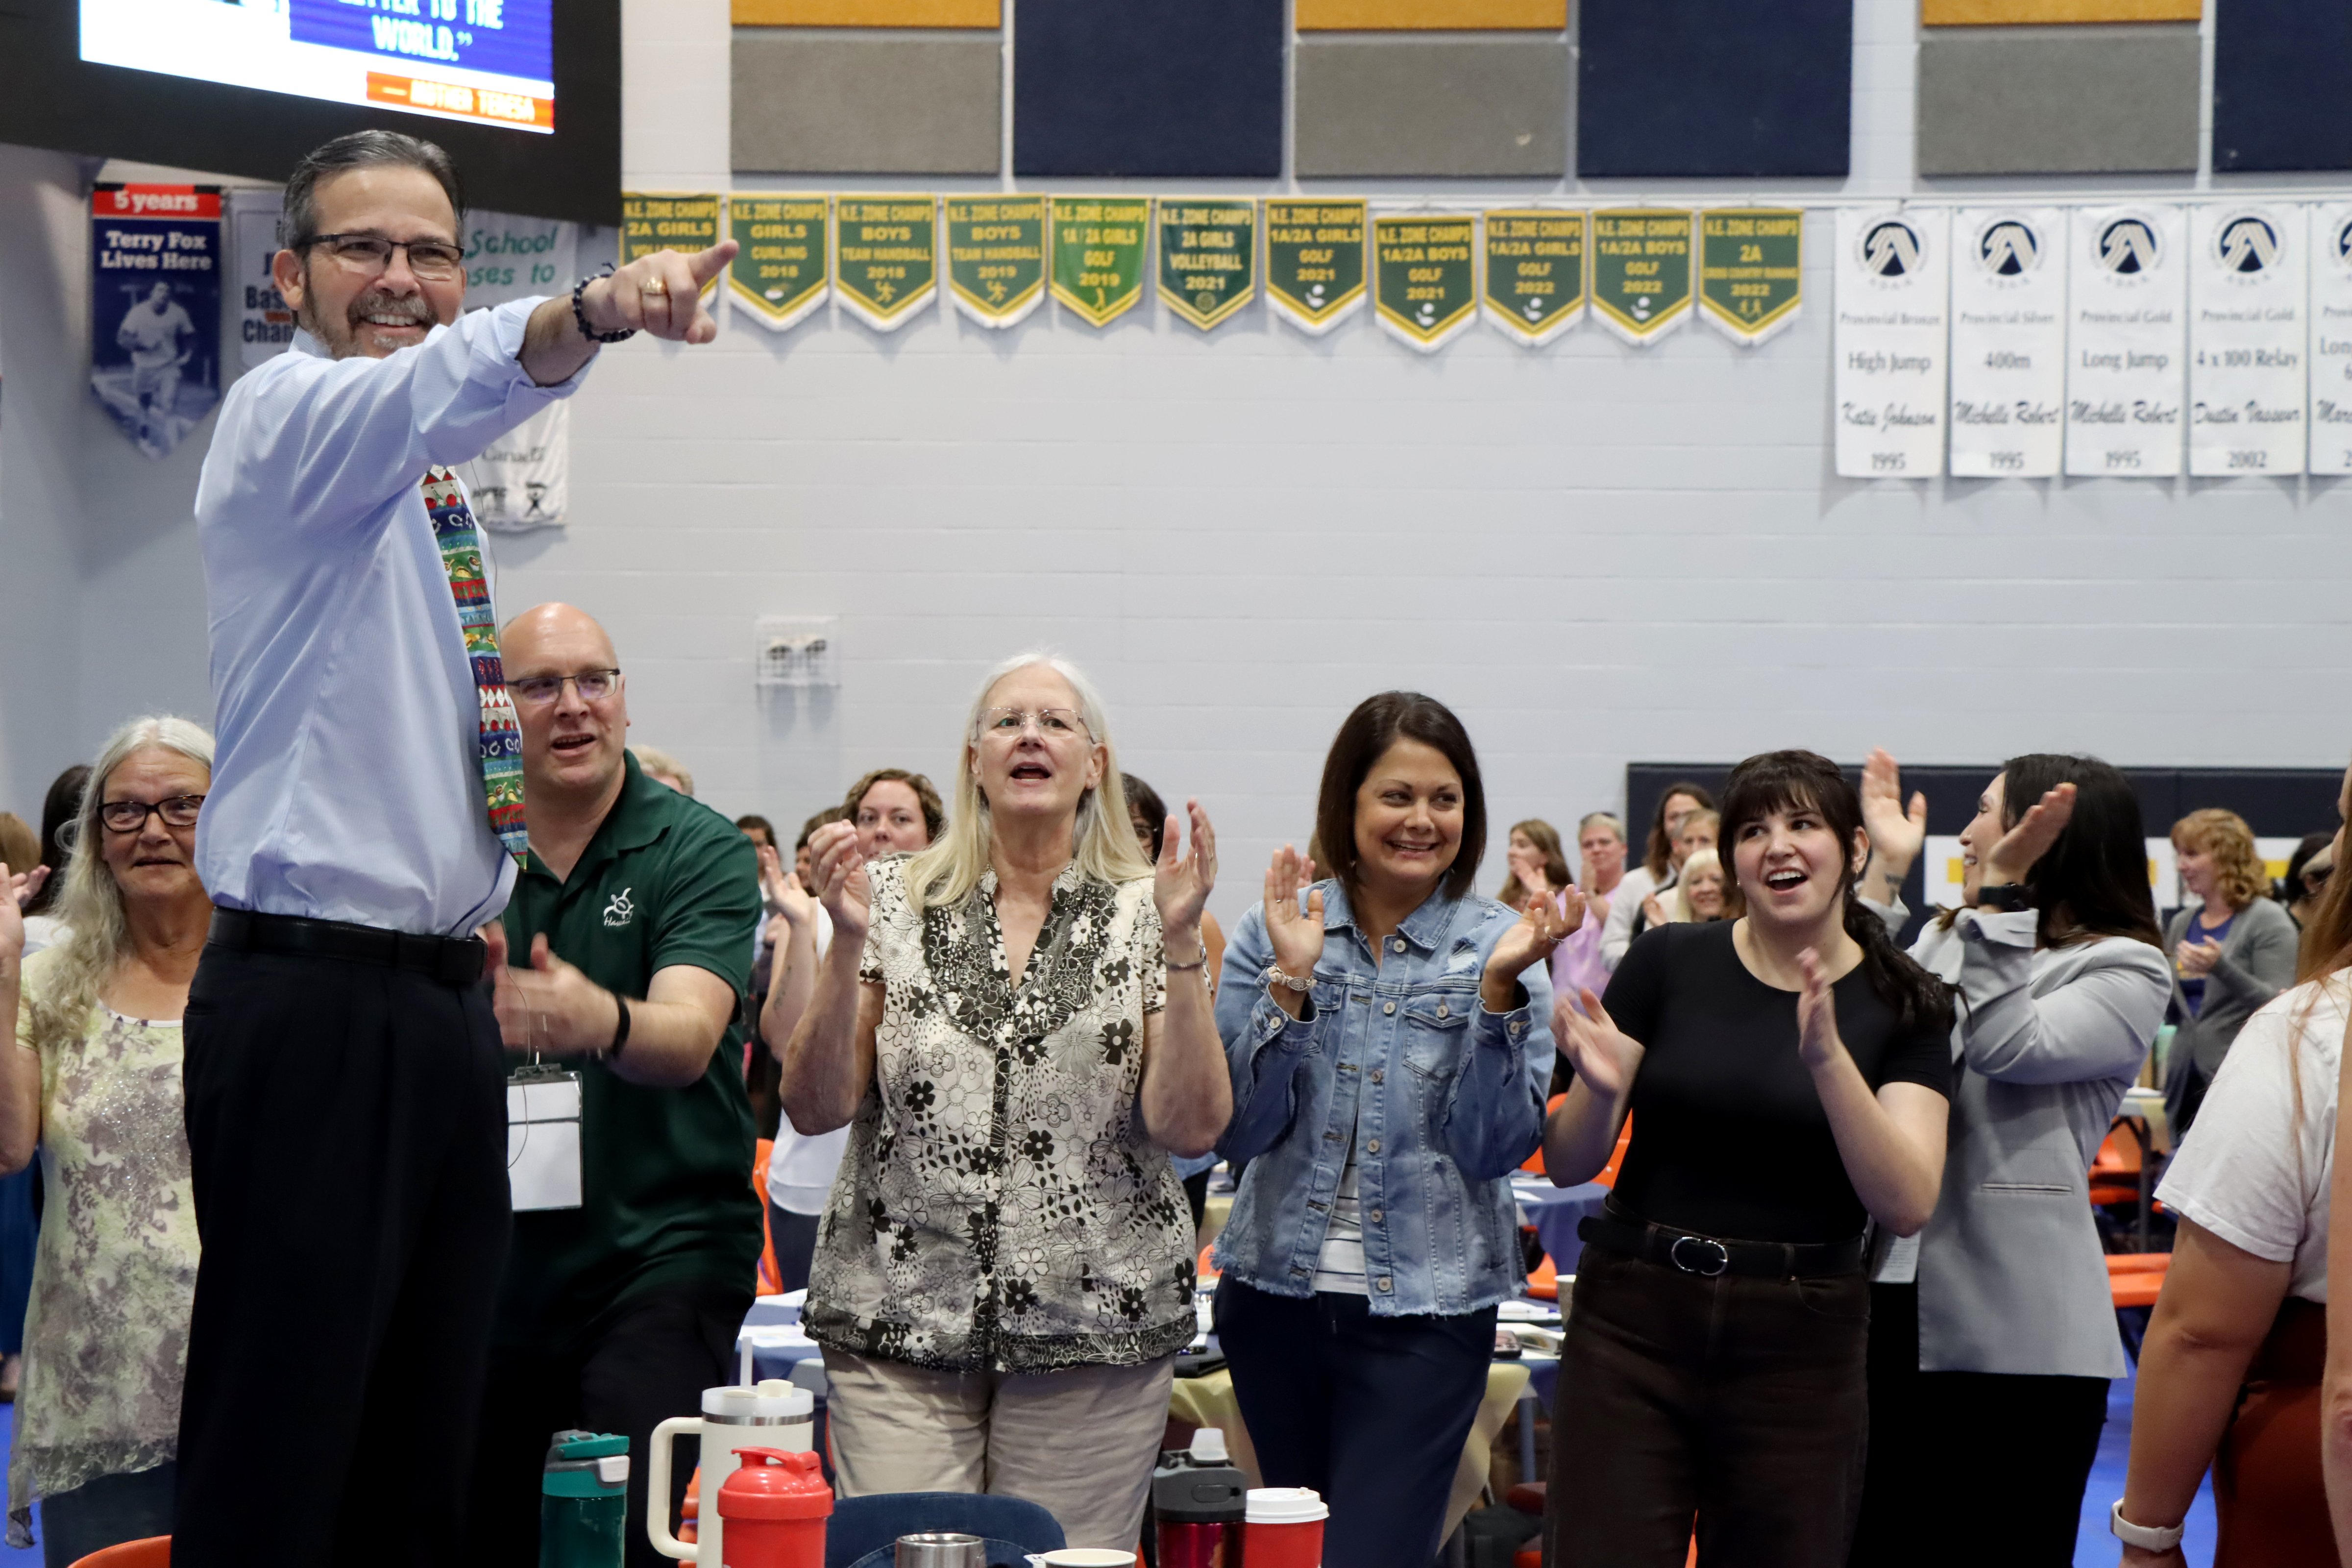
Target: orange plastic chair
[[155, 1551], [1545, 1281], [1208, 1267], [2115, 1175], [1608, 1177], [770, 1281], [2136, 1279]]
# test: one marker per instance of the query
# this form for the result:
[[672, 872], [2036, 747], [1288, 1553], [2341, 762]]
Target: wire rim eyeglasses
[[593, 686], [434, 260]]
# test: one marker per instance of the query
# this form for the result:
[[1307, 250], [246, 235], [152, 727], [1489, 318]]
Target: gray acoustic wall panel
[[1415, 105], [885, 100], [2107, 98]]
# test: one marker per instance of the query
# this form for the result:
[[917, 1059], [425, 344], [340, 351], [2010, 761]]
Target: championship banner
[[155, 308], [1099, 245], [1642, 271], [1314, 262], [1534, 273], [996, 257], [2127, 292], [265, 321], [1208, 257], [1425, 278], [781, 272], [1892, 305], [670, 220], [2008, 343], [2247, 337], [2331, 339], [1751, 271], [885, 257]]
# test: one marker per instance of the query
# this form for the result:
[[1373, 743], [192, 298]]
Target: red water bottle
[[1197, 1495], [775, 1508]]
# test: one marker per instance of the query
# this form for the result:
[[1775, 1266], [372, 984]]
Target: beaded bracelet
[[579, 314]]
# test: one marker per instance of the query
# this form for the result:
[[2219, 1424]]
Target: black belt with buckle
[[450, 960], [1709, 1256]]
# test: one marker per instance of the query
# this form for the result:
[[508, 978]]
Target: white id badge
[[544, 1141]]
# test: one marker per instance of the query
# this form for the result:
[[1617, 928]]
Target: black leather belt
[[451, 960], [1708, 1256]]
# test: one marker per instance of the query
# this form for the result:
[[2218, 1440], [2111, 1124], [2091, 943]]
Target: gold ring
[[654, 286]]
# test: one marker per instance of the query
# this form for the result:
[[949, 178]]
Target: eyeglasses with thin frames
[[131, 815], [434, 260], [1053, 723], [593, 686]]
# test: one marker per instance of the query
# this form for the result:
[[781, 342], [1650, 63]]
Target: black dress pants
[[644, 1362], [1929, 1429], [1371, 1412], [347, 1132], [1736, 1401]]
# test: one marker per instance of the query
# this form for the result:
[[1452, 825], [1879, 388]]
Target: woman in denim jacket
[[1390, 1047]]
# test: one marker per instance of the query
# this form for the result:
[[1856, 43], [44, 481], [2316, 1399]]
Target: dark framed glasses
[[131, 815], [436, 259]]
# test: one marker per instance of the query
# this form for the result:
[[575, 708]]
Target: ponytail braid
[[1917, 997]]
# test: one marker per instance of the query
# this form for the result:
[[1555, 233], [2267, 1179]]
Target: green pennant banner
[[780, 275], [1426, 280], [668, 220], [1099, 247], [1751, 270], [1315, 261], [1208, 257], [1534, 273], [996, 257], [1642, 271], [885, 257]]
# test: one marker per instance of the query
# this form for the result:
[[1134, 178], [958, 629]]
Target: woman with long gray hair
[[94, 1086], [1015, 1025]]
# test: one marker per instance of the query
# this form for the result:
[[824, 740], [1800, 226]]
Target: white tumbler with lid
[[775, 1414]]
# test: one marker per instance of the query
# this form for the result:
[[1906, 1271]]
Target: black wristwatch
[[2009, 898]]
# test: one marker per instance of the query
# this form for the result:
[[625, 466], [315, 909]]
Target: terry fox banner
[[154, 309], [885, 257], [1893, 300], [1425, 280], [2126, 289], [2247, 339], [996, 257], [1534, 273], [1751, 271], [1315, 262], [2008, 343], [780, 275], [2330, 327], [1208, 257]]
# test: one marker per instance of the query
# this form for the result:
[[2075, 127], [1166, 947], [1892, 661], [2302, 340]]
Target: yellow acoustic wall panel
[[868, 13], [1427, 16], [1995, 13]]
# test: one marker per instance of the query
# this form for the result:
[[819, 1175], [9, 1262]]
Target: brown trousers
[[2268, 1495], [1741, 1402]]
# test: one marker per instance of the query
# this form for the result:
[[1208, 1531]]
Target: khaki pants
[[1080, 1443]]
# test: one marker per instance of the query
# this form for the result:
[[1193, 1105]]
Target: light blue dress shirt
[[346, 786]]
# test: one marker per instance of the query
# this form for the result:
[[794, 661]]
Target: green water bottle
[[583, 1501]]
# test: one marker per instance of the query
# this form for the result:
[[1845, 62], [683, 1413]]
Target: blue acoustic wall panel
[[2282, 82], [1714, 87], [1140, 87]]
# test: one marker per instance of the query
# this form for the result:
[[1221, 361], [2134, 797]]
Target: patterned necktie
[[501, 739]]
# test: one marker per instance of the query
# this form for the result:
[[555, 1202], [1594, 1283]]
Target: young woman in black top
[[1792, 1073]]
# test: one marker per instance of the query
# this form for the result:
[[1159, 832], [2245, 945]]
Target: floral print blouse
[[1001, 1206], [114, 1278]]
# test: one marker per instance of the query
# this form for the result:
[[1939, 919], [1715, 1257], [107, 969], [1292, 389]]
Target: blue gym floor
[[2094, 1547]]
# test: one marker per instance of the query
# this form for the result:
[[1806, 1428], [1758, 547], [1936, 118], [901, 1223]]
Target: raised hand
[[1818, 1043], [660, 295], [839, 873], [1541, 926], [22, 887], [2032, 837], [12, 913], [1180, 882], [1895, 835], [771, 872], [1533, 877], [1653, 911], [1603, 1055], [795, 905], [1297, 938]]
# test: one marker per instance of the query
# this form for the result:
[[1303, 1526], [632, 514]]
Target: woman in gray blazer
[[1994, 1333], [2232, 951]]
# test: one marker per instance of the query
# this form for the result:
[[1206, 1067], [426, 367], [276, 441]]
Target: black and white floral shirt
[[1001, 1206]]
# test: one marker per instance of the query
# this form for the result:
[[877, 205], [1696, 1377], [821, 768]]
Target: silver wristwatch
[[1275, 976], [2147, 1537]]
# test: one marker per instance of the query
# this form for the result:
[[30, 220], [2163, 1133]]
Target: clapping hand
[[659, 295], [771, 873], [1180, 882], [551, 1007], [1541, 926], [20, 888], [1896, 834], [2198, 958], [1818, 1043], [1603, 1055], [1653, 913], [2030, 839], [1297, 938], [839, 872]]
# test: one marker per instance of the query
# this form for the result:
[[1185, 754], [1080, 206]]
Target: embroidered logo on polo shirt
[[620, 911]]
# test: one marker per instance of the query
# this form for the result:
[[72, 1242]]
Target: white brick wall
[[1597, 553]]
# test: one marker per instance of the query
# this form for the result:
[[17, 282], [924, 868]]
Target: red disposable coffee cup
[[1283, 1528]]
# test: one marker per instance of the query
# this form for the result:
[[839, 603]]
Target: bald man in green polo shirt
[[629, 938]]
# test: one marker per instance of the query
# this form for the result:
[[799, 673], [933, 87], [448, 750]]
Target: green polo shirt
[[665, 1174]]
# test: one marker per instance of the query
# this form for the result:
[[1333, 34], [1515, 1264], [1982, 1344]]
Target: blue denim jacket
[[1445, 1099]]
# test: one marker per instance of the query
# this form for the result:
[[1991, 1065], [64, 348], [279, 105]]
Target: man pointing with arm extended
[[344, 1073]]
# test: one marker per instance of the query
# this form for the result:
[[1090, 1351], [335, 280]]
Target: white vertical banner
[[2126, 372], [2248, 380], [265, 322], [2008, 343], [1890, 341], [2330, 325]]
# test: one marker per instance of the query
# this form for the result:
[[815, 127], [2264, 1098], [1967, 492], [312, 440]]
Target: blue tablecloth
[[1554, 1212]]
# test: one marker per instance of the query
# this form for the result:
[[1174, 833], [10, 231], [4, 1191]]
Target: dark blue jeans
[[1371, 1412]]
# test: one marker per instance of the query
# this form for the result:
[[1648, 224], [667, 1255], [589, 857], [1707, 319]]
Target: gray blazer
[[2012, 1275], [2257, 962]]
